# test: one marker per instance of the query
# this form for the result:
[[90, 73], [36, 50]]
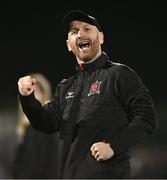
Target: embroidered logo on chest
[[95, 88], [69, 95]]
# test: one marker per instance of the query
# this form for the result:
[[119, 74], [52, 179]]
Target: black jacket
[[103, 101]]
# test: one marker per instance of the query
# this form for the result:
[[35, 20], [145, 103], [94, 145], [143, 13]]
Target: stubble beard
[[91, 56]]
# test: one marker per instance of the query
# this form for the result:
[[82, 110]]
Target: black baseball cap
[[80, 16]]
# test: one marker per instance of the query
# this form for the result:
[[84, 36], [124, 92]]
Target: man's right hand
[[26, 85]]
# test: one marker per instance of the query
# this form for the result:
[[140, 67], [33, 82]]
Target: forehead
[[75, 24]]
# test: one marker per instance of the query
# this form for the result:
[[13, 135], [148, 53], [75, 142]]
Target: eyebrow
[[85, 25]]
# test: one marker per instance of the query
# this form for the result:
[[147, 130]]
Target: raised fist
[[26, 85]]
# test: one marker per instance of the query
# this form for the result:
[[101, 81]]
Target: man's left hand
[[101, 151]]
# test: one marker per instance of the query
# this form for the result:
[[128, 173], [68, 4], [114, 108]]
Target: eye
[[73, 31], [87, 29]]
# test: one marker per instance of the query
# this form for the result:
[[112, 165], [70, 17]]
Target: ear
[[68, 45], [101, 38]]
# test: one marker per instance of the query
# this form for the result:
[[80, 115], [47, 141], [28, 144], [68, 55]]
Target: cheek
[[73, 47], [71, 44]]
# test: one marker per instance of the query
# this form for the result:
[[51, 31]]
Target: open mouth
[[84, 45]]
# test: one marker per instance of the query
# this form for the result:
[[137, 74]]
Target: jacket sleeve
[[140, 109], [42, 118]]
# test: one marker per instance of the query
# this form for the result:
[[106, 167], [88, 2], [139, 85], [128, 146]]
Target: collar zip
[[81, 66]]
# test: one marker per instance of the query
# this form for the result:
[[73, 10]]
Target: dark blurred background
[[31, 40]]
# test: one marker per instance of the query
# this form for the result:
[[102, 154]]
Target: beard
[[88, 56], [85, 58]]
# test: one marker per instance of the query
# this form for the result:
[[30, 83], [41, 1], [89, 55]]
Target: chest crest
[[95, 88]]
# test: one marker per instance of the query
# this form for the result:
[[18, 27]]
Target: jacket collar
[[98, 63]]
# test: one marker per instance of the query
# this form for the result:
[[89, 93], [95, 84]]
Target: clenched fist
[[26, 85]]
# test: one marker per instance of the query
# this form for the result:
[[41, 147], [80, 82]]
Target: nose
[[81, 33]]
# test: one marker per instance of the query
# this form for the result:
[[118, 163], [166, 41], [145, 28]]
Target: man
[[100, 112]]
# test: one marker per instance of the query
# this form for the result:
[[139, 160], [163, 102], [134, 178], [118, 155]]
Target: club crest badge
[[94, 88]]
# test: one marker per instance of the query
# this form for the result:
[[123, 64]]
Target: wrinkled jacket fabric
[[102, 101]]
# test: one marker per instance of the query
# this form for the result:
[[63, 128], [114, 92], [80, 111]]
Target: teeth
[[84, 45]]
